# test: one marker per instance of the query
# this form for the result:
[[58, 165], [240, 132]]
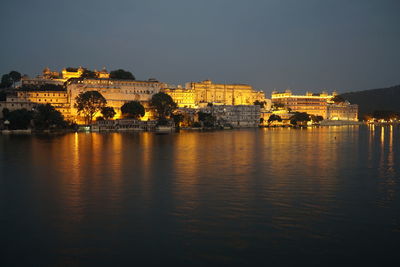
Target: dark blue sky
[[271, 44]]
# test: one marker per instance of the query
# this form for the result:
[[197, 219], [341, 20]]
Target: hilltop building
[[59, 78], [198, 94], [69, 73], [224, 94], [184, 98]]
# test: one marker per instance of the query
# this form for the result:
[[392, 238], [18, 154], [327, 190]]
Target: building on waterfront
[[224, 94], [184, 98], [311, 103], [58, 99], [342, 111], [236, 116], [116, 92], [13, 103], [318, 104], [283, 114], [30, 99], [194, 95], [124, 125]]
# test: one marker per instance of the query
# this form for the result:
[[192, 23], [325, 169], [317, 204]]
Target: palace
[[196, 94], [59, 78], [318, 104], [116, 92], [231, 102], [225, 94], [34, 91], [184, 98], [58, 99]]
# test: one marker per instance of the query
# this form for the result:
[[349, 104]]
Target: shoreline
[[166, 131]]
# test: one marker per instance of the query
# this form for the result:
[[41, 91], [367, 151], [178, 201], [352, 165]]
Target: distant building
[[343, 111], [102, 74], [311, 103], [69, 73], [13, 103], [124, 125], [184, 98], [58, 99], [59, 78], [49, 74], [236, 116], [283, 114], [224, 94], [318, 104]]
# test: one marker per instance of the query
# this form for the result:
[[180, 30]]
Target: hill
[[375, 99]]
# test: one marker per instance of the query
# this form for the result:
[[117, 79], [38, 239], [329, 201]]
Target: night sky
[[345, 45]]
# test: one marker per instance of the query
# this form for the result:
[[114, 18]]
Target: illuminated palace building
[[318, 104], [116, 92], [197, 93], [69, 83]]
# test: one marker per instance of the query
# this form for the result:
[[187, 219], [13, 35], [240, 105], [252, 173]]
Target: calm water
[[327, 196]]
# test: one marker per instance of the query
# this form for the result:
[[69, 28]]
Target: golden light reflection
[[115, 160], [187, 171], [146, 156], [390, 153]]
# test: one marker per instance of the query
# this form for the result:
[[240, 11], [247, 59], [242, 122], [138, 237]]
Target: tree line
[[42, 117], [91, 103]]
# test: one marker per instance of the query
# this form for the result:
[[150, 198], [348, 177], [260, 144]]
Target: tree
[[178, 118], [338, 99], [108, 112], [5, 112], [20, 119], [278, 105], [386, 115], [3, 96], [274, 117], [121, 74], [89, 103], [71, 69], [46, 116], [133, 109], [317, 119], [6, 81], [163, 105], [15, 76], [207, 119], [299, 117], [88, 74], [260, 103]]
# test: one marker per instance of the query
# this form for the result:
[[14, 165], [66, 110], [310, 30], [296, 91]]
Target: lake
[[325, 196]]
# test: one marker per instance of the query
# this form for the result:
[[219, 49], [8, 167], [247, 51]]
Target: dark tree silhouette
[[89, 103], [133, 109]]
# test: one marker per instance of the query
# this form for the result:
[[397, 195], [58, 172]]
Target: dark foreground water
[[276, 197]]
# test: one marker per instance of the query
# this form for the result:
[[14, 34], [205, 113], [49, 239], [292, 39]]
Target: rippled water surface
[[323, 196]]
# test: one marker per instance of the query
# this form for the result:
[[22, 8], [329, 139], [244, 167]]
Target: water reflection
[[209, 196]]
